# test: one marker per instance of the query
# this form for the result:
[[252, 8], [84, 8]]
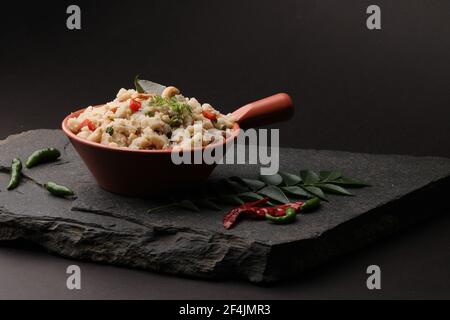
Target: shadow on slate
[[103, 227]]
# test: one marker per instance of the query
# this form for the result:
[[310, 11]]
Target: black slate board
[[108, 228]]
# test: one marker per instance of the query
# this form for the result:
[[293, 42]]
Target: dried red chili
[[253, 210], [280, 210], [249, 207]]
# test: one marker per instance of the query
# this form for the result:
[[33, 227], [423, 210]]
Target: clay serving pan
[[145, 173]]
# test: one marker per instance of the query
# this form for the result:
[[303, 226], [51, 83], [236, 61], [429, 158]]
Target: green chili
[[289, 216], [58, 190], [16, 173], [310, 205], [110, 131], [42, 156]]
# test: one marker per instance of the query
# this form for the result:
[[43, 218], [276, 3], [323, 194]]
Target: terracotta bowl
[[143, 173]]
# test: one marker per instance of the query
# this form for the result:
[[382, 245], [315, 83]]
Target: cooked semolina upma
[[146, 121]]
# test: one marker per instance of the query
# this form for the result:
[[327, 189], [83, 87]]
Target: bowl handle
[[278, 107]]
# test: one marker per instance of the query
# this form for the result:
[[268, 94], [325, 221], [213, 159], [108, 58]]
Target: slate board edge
[[70, 239]]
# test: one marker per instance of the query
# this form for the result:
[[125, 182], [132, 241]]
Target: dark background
[[383, 91]]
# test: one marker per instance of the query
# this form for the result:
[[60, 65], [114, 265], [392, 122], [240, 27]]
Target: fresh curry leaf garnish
[[250, 196], [297, 191], [235, 190], [350, 183], [329, 176], [254, 185], [335, 189], [315, 191], [290, 179], [230, 199], [274, 193], [309, 177], [273, 180], [236, 186]]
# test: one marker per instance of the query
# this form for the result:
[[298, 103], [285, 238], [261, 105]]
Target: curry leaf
[[331, 188], [329, 176], [273, 180], [309, 177], [350, 183], [231, 199], [297, 191], [236, 186], [274, 193], [315, 192], [254, 185], [250, 196], [138, 86], [290, 179], [235, 190]]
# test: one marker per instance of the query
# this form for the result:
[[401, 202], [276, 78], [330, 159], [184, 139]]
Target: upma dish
[[144, 121]]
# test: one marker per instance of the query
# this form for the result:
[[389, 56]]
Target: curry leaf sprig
[[279, 188]]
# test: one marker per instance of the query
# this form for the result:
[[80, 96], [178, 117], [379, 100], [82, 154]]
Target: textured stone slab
[[108, 228]]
